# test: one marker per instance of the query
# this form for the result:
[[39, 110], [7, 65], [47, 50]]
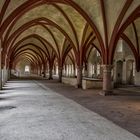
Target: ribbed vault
[[41, 31]]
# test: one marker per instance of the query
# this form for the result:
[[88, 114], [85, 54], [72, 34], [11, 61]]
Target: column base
[[50, 78], [60, 80], [78, 86], [106, 92]]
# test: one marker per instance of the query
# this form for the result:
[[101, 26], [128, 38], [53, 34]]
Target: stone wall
[[92, 83], [69, 81], [137, 78]]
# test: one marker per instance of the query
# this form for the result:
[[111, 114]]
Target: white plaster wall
[[4, 76], [87, 84], [69, 81], [56, 70], [73, 74], [90, 72], [137, 78]]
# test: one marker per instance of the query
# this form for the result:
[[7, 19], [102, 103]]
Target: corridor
[[29, 110]]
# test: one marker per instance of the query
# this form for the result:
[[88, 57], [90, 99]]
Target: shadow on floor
[[4, 108], [123, 108]]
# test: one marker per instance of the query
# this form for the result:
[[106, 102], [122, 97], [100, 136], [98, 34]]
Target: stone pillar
[[44, 70], [65, 69], [79, 76], [72, 70], [0, 70], [95, 70], [44, 74], [4, 75], [76, 72], [68, 70], [60, 70], [107, 82], [124, 74], [63, 72], [9, 74], [40, 71], [86, 70], [50, 74]]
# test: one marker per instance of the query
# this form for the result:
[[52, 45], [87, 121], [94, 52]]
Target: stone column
[[9, 74], [50, 74], [75, 71], [86, 70], [44, 70], [0, 70], [79, 76], [54, 69], [72, 70], [60, 70], [44, 74], [107, 82], [68, 70], [6, 74], [95, 70], [3, 75], [124, 76], [40, 71], [65, 70]]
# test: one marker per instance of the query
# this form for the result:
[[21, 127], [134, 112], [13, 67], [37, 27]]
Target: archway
[[130, 71], [27, 70], [119, 72]]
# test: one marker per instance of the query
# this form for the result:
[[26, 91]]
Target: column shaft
[[60, 70], [107, 81], [50, 74], [79, 76]]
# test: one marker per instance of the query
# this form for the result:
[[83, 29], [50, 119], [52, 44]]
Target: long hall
[[66, 63]]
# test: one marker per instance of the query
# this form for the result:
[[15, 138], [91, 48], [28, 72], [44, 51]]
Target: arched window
[[98, 54], [98, 69], [27, 68], [120, 48]]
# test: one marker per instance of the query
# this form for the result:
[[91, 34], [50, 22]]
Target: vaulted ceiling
[[42, 30]]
